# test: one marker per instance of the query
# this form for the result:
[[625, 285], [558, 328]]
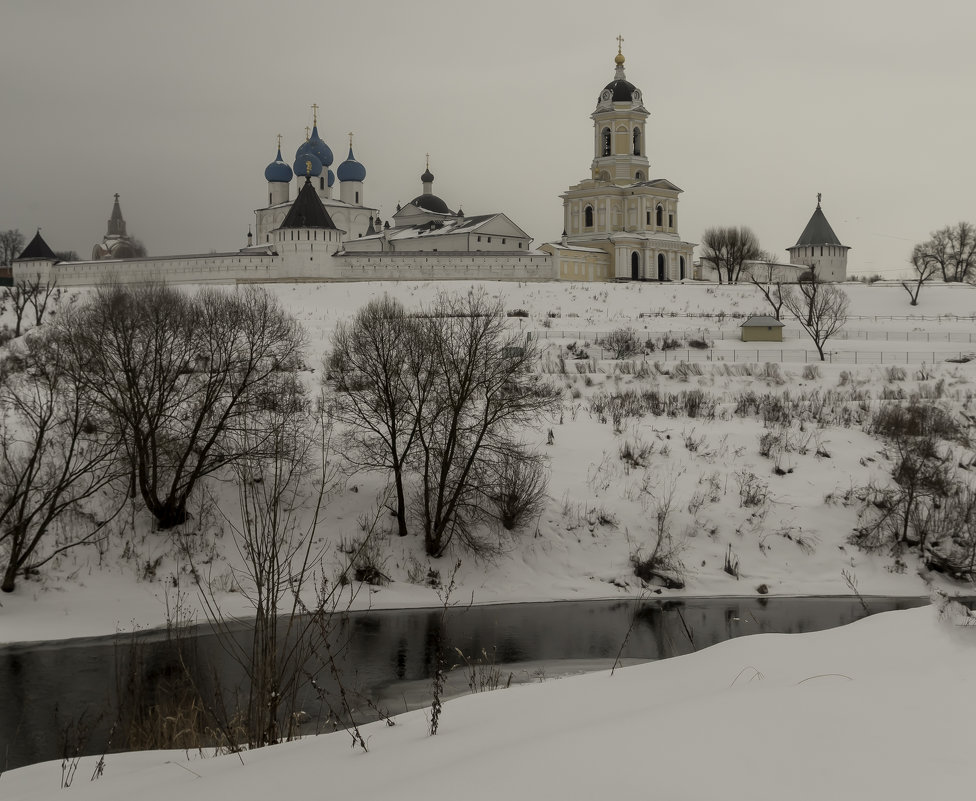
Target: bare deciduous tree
[[11, 244], [18, 296], [178, 374], [761, 276], [925, 267], [376, 367], [484, 393], [953, 250], [56, 453], [728, 249], [819, 308]]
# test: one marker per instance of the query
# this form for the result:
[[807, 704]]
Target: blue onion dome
[[317, 148], [351, 170], [427, 176], [331, 178], [277, 171], [308, 165]]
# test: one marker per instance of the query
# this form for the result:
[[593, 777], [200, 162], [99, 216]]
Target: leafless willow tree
[[819, 308], [728, 249], [377, 366], [925, 267], [57, 452], [178, 374], [953, 250], [484, 394]]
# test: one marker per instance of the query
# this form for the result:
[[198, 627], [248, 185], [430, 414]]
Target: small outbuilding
[[762, 328]]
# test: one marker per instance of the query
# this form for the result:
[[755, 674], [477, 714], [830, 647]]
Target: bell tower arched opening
[[588, 217], [637, 141], [660, 266], [605, 142]]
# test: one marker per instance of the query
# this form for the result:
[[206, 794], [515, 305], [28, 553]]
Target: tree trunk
[[401, 510], [9, 576]]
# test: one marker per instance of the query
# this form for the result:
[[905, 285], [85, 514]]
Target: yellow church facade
[[620, 223]]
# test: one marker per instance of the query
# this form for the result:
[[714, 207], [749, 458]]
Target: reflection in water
[[46, 687]]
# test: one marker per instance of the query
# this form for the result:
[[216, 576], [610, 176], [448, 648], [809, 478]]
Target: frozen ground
[[783, 519]]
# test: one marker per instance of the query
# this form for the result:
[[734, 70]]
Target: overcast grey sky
[[755, 107]]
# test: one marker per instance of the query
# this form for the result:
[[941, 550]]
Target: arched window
[[660, 216], [606, 142], [637, 142], [639, 176], [635, 265], [660, 266], [588, 217], [681, 266]]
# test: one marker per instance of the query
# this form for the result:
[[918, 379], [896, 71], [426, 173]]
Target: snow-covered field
[[881, 709], [782, 519]]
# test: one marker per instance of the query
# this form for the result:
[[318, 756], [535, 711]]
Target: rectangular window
[[479, 238], [489, 239], [648, 218], [503, 240], [670, 221]]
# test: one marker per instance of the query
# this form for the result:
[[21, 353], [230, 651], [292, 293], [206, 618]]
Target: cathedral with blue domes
[[313, 164]]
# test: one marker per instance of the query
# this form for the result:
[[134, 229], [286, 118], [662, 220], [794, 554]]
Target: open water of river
[[64, 696]]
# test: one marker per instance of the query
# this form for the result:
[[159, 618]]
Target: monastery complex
[[620, 223]]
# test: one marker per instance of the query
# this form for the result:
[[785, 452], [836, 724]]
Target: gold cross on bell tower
[[315, 113], [620, 45]]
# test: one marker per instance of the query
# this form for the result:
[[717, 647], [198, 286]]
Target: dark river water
[[62, 697]]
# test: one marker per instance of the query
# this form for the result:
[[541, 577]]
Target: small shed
[[762, 328]]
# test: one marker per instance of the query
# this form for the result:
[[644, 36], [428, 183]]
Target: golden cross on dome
[[315, 113], [350, 140], [818, 200], [307, 132], [620, 45], [428, 161], [279, 141]]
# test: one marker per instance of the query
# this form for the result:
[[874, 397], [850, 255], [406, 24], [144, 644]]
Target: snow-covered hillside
[[757, 496]]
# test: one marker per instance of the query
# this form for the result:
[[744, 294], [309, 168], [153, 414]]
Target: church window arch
[[660, 216], [321, 183], [660, 266], [681, 268], [637, 141], [588, 217], [605, 143], [639, 176], [635, 266], [670, 221]]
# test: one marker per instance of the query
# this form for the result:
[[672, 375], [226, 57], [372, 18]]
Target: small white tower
[[819, 249], [351, 175], [278, 175]]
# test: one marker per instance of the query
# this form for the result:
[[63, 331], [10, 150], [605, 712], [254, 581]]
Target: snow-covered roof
[[762, 320]]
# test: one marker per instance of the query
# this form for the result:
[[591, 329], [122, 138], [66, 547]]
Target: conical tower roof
[[307, 211], [37, 249], [818, 231], [116, 223]]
